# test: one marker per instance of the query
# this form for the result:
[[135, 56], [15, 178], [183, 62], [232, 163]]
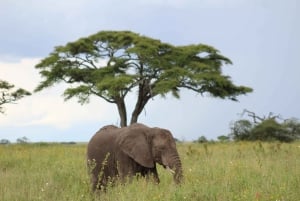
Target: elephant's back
[[102, 142]]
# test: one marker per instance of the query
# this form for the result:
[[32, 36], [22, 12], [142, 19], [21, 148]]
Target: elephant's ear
[[135, 145]]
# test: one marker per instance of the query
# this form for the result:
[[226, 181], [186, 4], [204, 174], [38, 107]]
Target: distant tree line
[[22, 140], [221, 138], [25, 140]]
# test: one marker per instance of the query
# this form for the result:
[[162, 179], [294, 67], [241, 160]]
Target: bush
[[270, 130], [23, 140], [266, 130], [292, 127], [241, 130], [223, 138], [4, 141], [201, 139]]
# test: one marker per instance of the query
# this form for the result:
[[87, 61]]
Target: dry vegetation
[[229, 171]]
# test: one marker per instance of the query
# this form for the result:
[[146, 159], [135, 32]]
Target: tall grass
[[229, 171]]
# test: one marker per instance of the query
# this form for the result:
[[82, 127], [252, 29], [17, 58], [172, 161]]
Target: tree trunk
[[134, 118], [122, 112], [143, 98], [136, 112]]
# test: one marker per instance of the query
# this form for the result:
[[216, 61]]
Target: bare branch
[[258, 119], [252, 115]]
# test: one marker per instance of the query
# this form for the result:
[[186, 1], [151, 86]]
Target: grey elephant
[[134, 150]]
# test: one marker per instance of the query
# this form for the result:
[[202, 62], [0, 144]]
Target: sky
[[261, 37]]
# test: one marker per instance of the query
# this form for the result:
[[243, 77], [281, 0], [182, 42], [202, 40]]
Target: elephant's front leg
[[155, 175], [126, 168], [151, 173]]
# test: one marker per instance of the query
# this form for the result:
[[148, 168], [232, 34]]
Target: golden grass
[[223, 172]]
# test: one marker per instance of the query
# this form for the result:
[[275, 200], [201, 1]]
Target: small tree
[[292, 127], [23, 140], [111, 64], [202, 139], [10, 95], [270, 130], [4, 141], [223, 138], [241, 130]]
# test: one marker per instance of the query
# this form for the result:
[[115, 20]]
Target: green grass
[[223, 172]]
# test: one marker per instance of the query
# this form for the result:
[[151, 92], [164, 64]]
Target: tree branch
[[104, 97]]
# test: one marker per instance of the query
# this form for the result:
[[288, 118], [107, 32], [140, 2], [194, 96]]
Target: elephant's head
[[148, 146]]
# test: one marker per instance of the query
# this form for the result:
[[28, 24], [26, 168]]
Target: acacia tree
[[110, 64], [265, 128], [10, 95]]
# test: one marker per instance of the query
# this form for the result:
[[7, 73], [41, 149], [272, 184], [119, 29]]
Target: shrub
[[266, 130], [4, 141]]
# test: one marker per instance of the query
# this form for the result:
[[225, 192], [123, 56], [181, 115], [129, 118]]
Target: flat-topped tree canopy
[[110, 64]]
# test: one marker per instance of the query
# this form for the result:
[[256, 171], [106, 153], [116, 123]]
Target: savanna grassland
[[218, 171]]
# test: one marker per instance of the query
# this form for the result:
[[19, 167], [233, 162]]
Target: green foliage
[[292, 127], [10, 95], [266, 130], [220, 171], [201, 139], [23, 140], [241, 129], [269, 130], [223, 138], [110, 64], [4, 141]]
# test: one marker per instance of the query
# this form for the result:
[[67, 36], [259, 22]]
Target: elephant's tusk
[[172, 171]]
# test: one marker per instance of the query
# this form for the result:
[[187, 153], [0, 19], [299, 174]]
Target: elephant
[[120, 153]]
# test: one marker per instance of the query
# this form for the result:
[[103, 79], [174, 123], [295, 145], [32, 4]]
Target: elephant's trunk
[[178, 176], [175, 165]]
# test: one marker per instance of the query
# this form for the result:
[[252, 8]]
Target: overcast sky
[[261, 37]]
